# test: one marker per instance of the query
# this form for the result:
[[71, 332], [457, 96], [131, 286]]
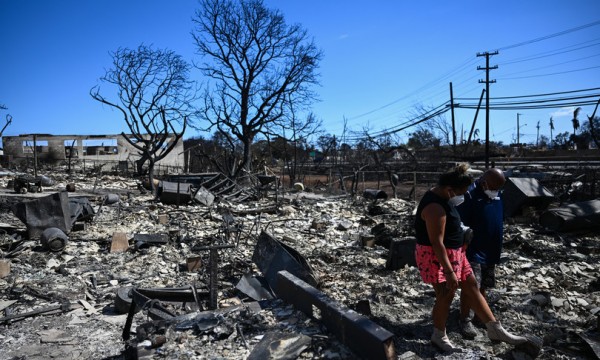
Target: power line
[[552, 65], [407, 124], [535, 95], [549, 74], [462, 66], [550, 53], [542, 38]]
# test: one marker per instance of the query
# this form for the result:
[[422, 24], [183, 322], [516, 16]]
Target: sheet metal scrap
[[279, 345], [149, 299], [272, 256], [215, 186], [577, 216], [175, 193], [143, 241], [45, 212]]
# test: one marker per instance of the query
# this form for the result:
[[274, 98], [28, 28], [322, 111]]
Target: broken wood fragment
[[119, 243]]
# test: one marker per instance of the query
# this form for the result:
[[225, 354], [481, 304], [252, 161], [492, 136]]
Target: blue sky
[[381, 58]]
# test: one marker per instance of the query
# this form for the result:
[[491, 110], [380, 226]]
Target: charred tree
[[154, 95], [256, 64]]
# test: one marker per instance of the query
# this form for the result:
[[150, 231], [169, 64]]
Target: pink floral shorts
[[431, 270]]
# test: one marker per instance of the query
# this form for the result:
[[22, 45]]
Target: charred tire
[[123, 300]]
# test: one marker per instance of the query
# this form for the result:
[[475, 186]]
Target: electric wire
[[549, 74], [549, 53], [546, 37], [464, 65], [515, 105], [535, 95]]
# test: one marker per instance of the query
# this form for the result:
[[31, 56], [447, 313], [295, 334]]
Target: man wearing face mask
[[482, 211]]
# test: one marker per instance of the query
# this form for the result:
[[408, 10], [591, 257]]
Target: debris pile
[[225, 272]]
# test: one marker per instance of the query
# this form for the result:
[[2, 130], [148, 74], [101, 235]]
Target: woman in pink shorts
[[442, 261]]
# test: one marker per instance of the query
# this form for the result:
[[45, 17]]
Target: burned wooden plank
[[64, 307], [119, 242], [4, 268], [359, 333]]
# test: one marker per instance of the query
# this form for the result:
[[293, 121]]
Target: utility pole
[[453, 125], [537, 139], [487, 82], [518, 131], [551, 128]]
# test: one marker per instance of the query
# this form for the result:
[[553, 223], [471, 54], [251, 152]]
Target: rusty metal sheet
[[359, 333]]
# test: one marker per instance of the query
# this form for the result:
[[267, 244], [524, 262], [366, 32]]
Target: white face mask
[[492, 194], [456, 200]]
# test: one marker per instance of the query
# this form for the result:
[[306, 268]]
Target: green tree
[[562, 140], [423, 138], [575, 120], [256, 66]]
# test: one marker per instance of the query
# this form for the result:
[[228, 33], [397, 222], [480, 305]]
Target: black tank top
[[453, 234]]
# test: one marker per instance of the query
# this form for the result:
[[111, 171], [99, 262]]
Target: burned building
[[95, 149]]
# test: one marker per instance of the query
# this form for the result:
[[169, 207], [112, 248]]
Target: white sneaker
[[495, 331], [441, 341]]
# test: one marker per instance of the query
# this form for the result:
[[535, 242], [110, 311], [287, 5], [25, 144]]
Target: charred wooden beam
[[359, 333]]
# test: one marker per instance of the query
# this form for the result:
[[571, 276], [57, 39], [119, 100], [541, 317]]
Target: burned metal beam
[[359, 333]]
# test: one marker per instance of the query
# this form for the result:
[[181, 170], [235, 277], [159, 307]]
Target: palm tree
[[551, 128], [575, 121]]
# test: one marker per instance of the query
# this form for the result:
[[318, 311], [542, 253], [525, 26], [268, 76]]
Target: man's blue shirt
[[485, 217]]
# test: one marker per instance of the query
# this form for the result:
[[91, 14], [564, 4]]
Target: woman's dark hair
[[456, 178]]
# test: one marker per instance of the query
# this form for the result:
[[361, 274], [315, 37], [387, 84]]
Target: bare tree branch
[[153, 94], [257, 65]]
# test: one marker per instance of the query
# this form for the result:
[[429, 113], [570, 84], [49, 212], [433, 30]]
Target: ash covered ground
[[548, 282]]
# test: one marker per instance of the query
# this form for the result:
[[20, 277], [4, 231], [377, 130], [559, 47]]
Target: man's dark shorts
[[485, 275]]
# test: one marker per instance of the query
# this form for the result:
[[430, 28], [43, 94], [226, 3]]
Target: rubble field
[[74, 303]]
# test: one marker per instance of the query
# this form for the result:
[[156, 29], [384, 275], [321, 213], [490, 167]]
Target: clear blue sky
[[381, 58]]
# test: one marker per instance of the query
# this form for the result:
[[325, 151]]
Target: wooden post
[[415, 186], [363, 180], [34, 155]]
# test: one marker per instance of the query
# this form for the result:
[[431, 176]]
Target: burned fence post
[[359, 333], [213, 272]]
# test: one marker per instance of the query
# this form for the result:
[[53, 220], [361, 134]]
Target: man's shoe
[[467, 329]]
